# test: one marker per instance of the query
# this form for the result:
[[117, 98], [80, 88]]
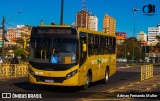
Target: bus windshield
[[43, 48]]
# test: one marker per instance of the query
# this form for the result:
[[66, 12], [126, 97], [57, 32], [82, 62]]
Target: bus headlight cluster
[[31, 72], [74, 58], [69, 75]]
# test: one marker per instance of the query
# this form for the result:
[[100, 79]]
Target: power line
[[10, 25]]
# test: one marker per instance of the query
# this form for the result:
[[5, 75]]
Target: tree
[[19, 52], [20, 42], [158, 37], [157, 47], [127, 47]]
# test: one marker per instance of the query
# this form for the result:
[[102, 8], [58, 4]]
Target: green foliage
[[19, 52], [127, 47], [158, 37], [156, 48]]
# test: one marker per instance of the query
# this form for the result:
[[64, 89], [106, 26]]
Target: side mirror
[[84, 47]]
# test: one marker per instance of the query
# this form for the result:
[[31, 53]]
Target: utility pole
[[62, 7], [84, 5], [125, 51], [3, 32]]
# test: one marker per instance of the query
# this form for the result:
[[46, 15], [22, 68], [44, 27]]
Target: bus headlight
[[31, 72], [74, 58], [69, 75]]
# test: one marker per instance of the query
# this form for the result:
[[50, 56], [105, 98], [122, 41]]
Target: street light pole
[[141, 52], [134, 10], [3, 32], [125, 51], [62, 7]]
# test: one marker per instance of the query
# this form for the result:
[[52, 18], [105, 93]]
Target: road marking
[[148, 89], [154, 85], [106, 99], [125, 67]]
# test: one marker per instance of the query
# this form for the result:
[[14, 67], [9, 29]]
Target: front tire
[[87, 82]]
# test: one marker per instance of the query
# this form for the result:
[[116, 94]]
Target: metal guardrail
[[121, 64], [146, 72], [13, 70]]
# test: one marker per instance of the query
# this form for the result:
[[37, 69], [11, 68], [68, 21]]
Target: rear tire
[[106, 78], [87, 84]]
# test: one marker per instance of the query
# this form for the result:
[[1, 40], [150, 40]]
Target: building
[[13, 34], [20, 32], [0, 37], [82, 19], [120, 37], [152, 33], [109, 24], [93, 23], [74, 23], [85, 20], [0, 31], [142, 37]]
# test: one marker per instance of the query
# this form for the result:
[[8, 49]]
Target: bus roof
[[79, 29], [54, 25], [95, 32]]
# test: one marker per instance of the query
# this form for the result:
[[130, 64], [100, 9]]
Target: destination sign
[[55, 31]]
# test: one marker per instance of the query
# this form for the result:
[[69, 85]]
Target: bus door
[[83, 56]]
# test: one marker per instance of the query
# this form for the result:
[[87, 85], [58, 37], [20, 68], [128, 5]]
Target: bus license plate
[[49, 81]]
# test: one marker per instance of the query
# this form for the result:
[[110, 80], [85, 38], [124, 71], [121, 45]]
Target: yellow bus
[[70, 56]]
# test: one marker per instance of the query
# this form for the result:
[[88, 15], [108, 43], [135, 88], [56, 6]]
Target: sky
[[31, 12]]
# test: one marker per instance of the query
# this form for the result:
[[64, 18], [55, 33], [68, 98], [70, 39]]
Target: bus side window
[[101, 45], [96, 45], [105, 45], [106, 41], [90, 45], [114, 45], [110, 45], [90, 39]]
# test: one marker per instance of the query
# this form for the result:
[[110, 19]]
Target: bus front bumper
[[57, 81]]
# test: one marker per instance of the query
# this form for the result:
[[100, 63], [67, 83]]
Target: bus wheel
[[86, 85], [106, 78]]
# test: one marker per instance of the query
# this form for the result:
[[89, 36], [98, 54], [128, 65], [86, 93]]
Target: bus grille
[[54, 79]]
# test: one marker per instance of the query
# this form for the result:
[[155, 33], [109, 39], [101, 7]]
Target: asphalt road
[[21, 86]]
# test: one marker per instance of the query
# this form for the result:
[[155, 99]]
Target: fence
[[121, 64], [13, 70], [146, 72]]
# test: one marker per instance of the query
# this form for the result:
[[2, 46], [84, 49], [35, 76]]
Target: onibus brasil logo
[[149, 9]]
